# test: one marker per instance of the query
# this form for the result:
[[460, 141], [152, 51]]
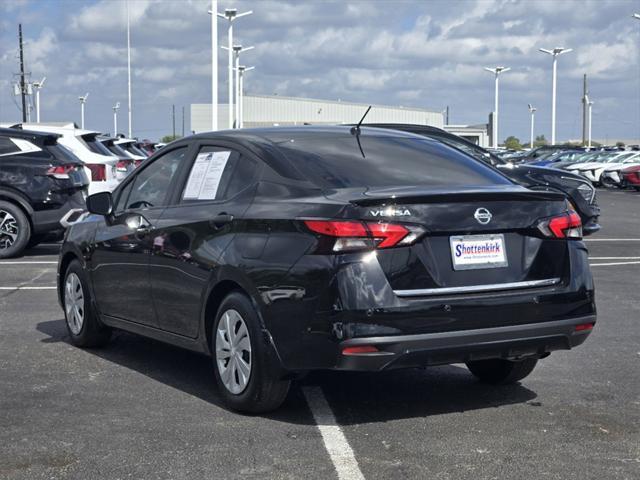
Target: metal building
[[270, 110]]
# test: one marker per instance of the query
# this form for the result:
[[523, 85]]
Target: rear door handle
[[220, 220]]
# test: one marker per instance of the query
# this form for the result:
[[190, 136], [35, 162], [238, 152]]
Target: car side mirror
[[100, 203]]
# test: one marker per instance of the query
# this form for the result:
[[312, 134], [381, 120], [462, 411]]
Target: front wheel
[[502, 372], [15, 230], [244, 365]]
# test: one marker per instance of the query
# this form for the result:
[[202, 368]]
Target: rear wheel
[[15, 230], [244, 364], [83, 325], [502, 372]]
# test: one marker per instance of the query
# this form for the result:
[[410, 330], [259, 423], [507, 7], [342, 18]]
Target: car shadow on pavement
[[355, 397]]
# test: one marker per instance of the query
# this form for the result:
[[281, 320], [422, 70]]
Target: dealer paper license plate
[[478, 251]]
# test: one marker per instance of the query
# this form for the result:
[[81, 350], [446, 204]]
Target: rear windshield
[[116, 150], [338, 162], [96, 145], [62, 153]]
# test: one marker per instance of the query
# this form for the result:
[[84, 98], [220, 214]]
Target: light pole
[[555, 52], [214, 65], [236, 51], [38, 86], [83, 100], [532, 111], [590, 105], [231, 14], [115, 118], [242, 69], [496, 71], [129, 68]]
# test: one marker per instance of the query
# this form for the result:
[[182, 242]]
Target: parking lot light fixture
[[636, 15], [83, 100], [554, 53], [214, 64], [38, 86], [532, 111], [590, 105], [231, 14], [496, 71], [242, 69], [115, 118]]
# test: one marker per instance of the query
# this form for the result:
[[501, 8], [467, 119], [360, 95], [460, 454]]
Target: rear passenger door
[[193, 232]]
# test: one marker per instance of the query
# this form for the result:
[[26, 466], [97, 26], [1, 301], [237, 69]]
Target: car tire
[[244, 364], [501, 372], [15, 230], [83, 325]]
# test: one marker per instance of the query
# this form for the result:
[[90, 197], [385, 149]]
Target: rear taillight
[[61, 172], [136, 163], [360, 350], [567, 225], [123, 165], [98, 172], [354, 235]]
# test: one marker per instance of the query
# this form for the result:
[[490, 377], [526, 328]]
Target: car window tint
[[340, 161], [151, 185], [123, 196], [7, 146], [218, 174]]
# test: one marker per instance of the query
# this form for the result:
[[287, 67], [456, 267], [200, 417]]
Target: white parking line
[[613, 264], [612, 239], [614, 258], [28, 288], [334, 440], [11, 262]]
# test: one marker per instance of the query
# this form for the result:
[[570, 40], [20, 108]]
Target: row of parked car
[[46, 172]]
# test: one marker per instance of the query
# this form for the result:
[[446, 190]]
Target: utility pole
[[173, 119], [22, 84], [585, 101], [231, 14], [555, 52], [214, 65], [496, 71], [183, 120], [590, 105], [447, 118], [129, 68], [532, 111]]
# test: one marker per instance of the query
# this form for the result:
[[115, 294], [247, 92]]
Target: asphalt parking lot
[[141, 409]]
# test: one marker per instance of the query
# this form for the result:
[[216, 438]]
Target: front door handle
[[220, 220]]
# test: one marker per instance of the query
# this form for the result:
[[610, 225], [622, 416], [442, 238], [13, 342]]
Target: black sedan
[[279, 251], [577, 189]]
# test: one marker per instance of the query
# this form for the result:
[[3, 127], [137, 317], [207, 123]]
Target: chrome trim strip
[[477, 288]]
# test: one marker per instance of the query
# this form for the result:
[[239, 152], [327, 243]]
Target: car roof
[[37, 137]]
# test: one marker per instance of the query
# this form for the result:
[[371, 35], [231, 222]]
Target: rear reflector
[[359, 350], [583, 327], [98, 172], [353, 235], [567, 225], [61, 172]]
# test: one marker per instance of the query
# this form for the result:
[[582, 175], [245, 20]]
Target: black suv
[[42, 188], [278, 251], [576, 188]]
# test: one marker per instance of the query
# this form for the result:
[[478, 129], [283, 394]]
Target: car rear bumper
[[55, 219], [508, 342]]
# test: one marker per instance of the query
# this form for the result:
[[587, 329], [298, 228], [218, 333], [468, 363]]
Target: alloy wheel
[[9, 229], [233, 352], [74, 303]]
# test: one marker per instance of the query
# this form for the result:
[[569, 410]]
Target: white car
[[100, 164], [611, 175], [129, 146], [593, 169]]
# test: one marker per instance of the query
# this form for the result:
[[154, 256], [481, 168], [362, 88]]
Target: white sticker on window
[[205, 175]]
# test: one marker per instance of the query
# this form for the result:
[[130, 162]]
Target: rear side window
[[150, 187], [339, 161], [218, 174], [7, 147]]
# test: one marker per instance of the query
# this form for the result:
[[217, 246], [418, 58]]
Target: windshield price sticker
[[478, 251], [205, 176]]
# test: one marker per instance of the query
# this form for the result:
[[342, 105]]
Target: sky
[[426, 54]]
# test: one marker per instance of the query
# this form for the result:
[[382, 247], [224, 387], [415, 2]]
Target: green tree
[[512, 143], [169, 138], [618, 144], [540, 141]]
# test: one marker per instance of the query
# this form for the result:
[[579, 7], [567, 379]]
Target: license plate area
[[474, 252]]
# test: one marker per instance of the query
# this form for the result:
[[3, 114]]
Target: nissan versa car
[[282, 250]]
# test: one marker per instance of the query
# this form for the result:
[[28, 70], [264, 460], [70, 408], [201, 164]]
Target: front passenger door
[[124, 240]]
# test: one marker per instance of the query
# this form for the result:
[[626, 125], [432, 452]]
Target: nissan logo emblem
[[483, 216]]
